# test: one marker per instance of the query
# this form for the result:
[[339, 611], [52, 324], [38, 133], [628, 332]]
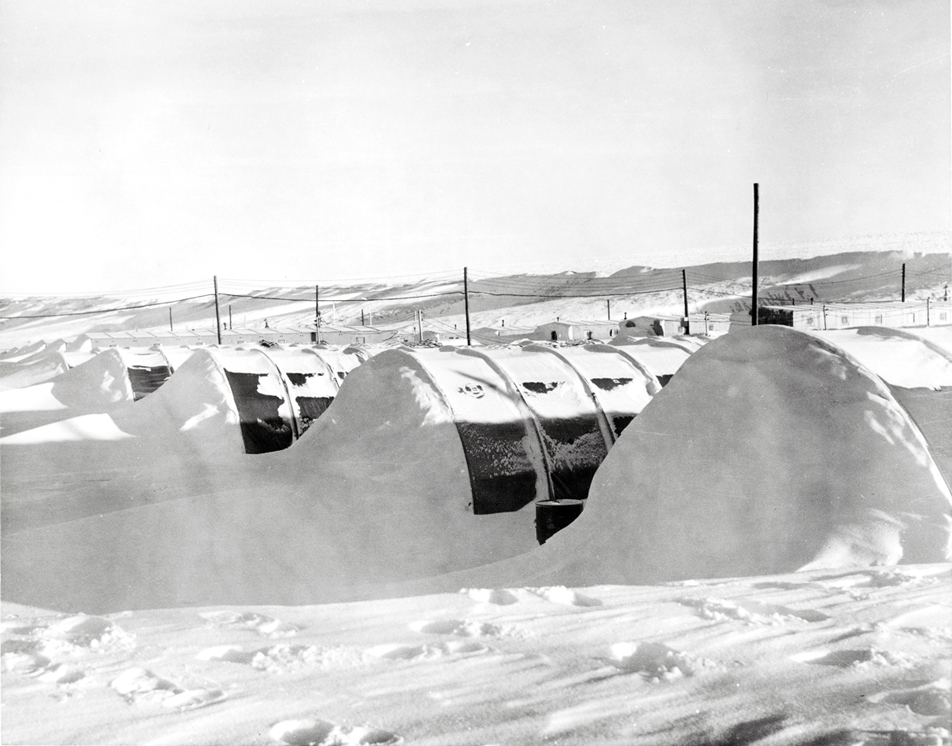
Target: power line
[[106, 310]]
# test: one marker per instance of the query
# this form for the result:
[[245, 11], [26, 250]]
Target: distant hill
[[517, 300]]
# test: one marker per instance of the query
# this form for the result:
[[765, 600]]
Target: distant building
[[894, 314], [200, 337], [576, 331], [661, 325], [709, 323], [652, 326], [352, 335], [502, 334]]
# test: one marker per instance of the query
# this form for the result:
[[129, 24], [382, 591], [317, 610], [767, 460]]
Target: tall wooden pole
[[753, 310], [171, 328], [317, 312], [609, 303], [466, 302], [903, 283], [217, 312], [231, 324], [684, 287]]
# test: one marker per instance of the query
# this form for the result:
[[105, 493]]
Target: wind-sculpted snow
[[40, 368]]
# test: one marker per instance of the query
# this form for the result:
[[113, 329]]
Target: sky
[[149, 144]]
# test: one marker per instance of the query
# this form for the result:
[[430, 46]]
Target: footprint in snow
[[657, 662], [859, 658], [263, 624], [139, 685], [752, 612], [71, 635], [929, 737], [324, 733], [35, 647], [399, 652], [458, 627], [24, 661], [559, 594], [283, 657], [931, 700], [497, 596], [875, 579]]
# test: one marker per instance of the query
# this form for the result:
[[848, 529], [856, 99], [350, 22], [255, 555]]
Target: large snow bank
[[918, 369], [95, 386], [770, 451], [99, 383]]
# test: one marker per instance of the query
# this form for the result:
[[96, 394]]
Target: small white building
[[352, 335], [576, 331], [652, 326], [709, 323]]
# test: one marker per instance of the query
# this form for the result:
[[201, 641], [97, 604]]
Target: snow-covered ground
[[764, 558], [846, 657]]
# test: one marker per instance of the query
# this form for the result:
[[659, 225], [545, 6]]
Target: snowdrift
[[94, 386], [918, 369], [771, 451]]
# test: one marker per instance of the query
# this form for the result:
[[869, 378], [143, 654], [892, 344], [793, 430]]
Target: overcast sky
[[150, 143]]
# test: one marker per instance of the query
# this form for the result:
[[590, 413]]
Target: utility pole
[[609, 302], [684, 287], [171, 328], [466, 302], [217, 312], [317, 312], [362, 317], [753, 310], [420, 324], [904, 282]]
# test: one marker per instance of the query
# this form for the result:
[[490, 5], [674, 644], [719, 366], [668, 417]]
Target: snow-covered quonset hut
[[146, 369], [533, 423], [849, 315], [565, 330], [277, 393], [662, 357]]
